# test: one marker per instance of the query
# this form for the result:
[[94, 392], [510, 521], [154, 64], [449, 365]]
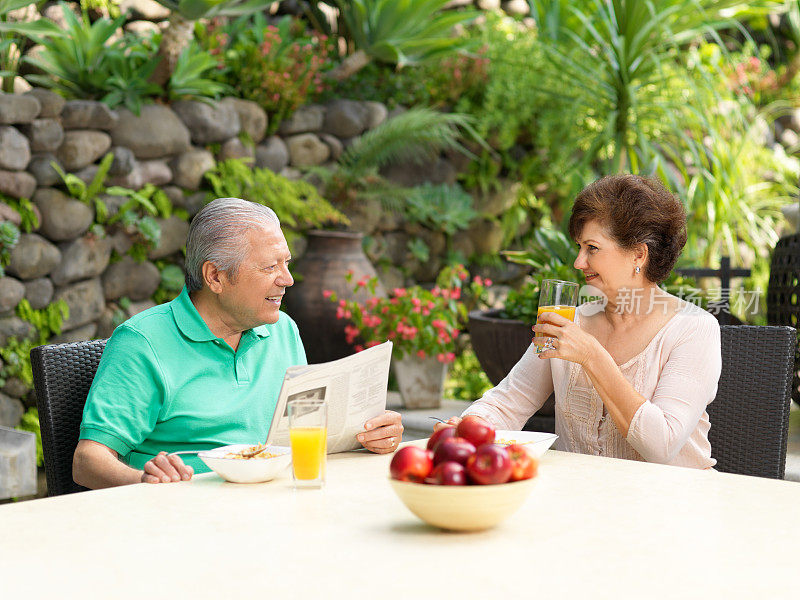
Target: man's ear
[[213, 277]]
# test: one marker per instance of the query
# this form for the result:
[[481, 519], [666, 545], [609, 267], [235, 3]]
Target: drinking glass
[[560, 297], [308, 436]]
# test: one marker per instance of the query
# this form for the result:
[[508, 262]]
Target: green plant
[[180, 29], [129, 71], [9, 236], [16, 353], [466, 379], [47, 321], [280, 66], [297, 203], [418, 321], [398, 33], [415, 136], [443, 207], [419, 250], [23, 207], [13, 38], [613, 57], [191, 77], [89, 193], [172, 279], [87, 63], [30, 422]]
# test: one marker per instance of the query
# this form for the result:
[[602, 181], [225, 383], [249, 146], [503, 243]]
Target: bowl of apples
[[462, 480]]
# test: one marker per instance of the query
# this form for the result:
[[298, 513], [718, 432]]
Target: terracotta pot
[[328, 258], [421, 381]]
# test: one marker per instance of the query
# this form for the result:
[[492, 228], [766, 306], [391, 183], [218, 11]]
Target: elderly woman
[[632, 379]]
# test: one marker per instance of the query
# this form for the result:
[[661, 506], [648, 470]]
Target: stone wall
[[171, 147]]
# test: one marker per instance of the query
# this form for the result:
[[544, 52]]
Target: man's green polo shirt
[[165, 382]]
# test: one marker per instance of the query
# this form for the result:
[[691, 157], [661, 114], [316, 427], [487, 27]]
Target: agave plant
[[180, 30], [86, 62], [397, 32]]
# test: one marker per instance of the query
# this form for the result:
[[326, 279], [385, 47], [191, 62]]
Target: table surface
[[592, 527]]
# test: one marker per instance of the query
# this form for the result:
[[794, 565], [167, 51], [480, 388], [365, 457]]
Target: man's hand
[[166, 468], [383, 433], [97, 466]]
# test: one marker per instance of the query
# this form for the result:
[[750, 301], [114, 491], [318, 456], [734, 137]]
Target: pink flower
[[462, 275], [340, 313], [362, 283], [456, 293], [421, 353], [478, 280], [438, 323], [399, 292], [327, 293], [487, 282], [372, 343], [443, 357], [350, 333], [358, 348]]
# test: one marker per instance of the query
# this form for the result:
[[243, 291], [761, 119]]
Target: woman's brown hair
[[635, 210]]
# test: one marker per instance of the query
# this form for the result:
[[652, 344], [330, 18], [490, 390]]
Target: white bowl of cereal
[[536, 442], [245, 463]]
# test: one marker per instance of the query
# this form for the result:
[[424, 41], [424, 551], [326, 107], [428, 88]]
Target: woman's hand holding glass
[[570, 341]]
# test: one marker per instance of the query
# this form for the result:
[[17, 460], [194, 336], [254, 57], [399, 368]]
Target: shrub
[[280, 66]]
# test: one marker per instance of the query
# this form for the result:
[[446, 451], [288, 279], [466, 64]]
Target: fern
[[415, 135], [297, 203]]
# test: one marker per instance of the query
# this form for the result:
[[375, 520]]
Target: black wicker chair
[[750, 414], [62, 375], [783, 293]]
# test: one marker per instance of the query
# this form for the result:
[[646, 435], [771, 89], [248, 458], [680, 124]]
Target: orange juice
[[309, 447], [568, 312]]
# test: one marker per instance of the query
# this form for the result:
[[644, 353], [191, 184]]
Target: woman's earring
[[638, 269]]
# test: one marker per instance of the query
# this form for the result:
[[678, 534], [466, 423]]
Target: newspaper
[[354, 388]]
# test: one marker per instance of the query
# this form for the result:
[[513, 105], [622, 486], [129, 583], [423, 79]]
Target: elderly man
[[203, 370]]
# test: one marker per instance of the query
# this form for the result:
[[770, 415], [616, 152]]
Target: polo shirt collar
[[192, 324]]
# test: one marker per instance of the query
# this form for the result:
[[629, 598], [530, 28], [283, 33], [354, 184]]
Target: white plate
[[247, 470], [536, 442]]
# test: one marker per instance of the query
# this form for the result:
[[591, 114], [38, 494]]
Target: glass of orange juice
[[308, 436], [560, 297]]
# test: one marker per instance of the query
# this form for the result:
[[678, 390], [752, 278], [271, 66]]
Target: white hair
[[215, 235]]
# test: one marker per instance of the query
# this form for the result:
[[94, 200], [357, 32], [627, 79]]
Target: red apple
[[523, 464], [448, 473], [476, 430], [489, 465], [455, 449], [411, 464], [449, 431]]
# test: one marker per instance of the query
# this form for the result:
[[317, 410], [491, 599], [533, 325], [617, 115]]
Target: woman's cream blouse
[[677, 374]]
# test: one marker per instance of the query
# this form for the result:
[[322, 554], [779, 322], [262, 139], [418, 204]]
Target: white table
[[593, 527]]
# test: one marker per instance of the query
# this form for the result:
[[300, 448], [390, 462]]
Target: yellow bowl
[[463, 507]]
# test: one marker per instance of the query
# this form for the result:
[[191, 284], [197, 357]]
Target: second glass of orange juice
[[308, 436], [560, 297]]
